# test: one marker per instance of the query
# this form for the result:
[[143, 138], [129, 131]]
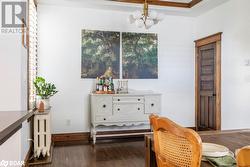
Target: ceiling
[[202, 7]]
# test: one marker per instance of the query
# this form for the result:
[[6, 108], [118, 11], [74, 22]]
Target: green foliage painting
[[100, 50], [139, 56]]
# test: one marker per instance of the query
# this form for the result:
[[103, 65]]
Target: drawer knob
[[104, 119], [118, 99], [139, 99], [152, 105], [104, 106], [118, 109], [138, 108]]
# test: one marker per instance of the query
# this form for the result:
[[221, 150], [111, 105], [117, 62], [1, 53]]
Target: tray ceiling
[[166, 3], [111, 5]]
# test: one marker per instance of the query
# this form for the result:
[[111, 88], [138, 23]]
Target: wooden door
[[208, 83]]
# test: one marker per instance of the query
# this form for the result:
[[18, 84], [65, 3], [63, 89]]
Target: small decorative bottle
[[97, 84], [111, 84], [100, 84]]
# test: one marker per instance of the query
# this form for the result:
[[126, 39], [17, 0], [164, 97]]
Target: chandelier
[[145, 18]]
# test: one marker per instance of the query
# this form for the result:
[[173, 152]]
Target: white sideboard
[[122, 109]]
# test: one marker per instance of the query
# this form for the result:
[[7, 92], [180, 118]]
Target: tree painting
[[100, 50], [139, 56]]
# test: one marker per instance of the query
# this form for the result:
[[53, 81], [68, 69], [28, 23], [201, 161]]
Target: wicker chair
[[174, 145], [243, 157]]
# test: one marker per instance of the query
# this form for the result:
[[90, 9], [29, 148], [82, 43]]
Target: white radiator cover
[[42, 134]]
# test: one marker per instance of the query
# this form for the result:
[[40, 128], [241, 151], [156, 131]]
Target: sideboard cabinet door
[[102, 105], [152, 104]]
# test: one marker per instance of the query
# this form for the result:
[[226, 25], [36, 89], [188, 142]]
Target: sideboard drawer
[[103, 105], [102, 118], [128, 99], [125, 109]]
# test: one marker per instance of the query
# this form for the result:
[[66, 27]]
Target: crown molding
[[163, 3]]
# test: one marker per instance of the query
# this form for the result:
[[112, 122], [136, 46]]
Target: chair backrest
[[174, 145], [243, 157]]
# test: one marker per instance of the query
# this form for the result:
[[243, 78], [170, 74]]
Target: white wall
[[10, 72], [10, 149], [13, 88], [60, 62], [232, 18]]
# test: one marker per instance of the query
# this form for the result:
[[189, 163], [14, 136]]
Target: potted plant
[[44, 91]]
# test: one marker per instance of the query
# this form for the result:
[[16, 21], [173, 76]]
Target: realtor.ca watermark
[[14, 15], [4, 163]]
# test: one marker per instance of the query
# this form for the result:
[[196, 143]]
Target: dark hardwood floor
[[130, 152], [103, 154]]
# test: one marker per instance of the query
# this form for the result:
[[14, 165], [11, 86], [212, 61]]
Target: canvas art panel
[[99, 51], [139, 56]]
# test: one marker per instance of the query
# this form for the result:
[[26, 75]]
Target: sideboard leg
[[94, 139], [94, 135], [91, 132]]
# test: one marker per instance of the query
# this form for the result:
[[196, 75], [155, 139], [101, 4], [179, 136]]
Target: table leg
[[150, 160], [147, 150]]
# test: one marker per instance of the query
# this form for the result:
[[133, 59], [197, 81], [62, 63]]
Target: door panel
[[207, 88], [208, 82]]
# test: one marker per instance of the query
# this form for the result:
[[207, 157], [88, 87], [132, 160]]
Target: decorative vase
[[46, 103], [41, 106]]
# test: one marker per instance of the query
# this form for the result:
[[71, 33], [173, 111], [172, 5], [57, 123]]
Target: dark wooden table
[[11, 122], [231, 139]]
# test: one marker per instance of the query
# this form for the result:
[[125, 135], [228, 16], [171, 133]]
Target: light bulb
[[156, 21], [139, 23], [148, 23], [131, 19]]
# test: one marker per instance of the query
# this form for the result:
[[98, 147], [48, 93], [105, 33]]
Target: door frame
[[215, 38]]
